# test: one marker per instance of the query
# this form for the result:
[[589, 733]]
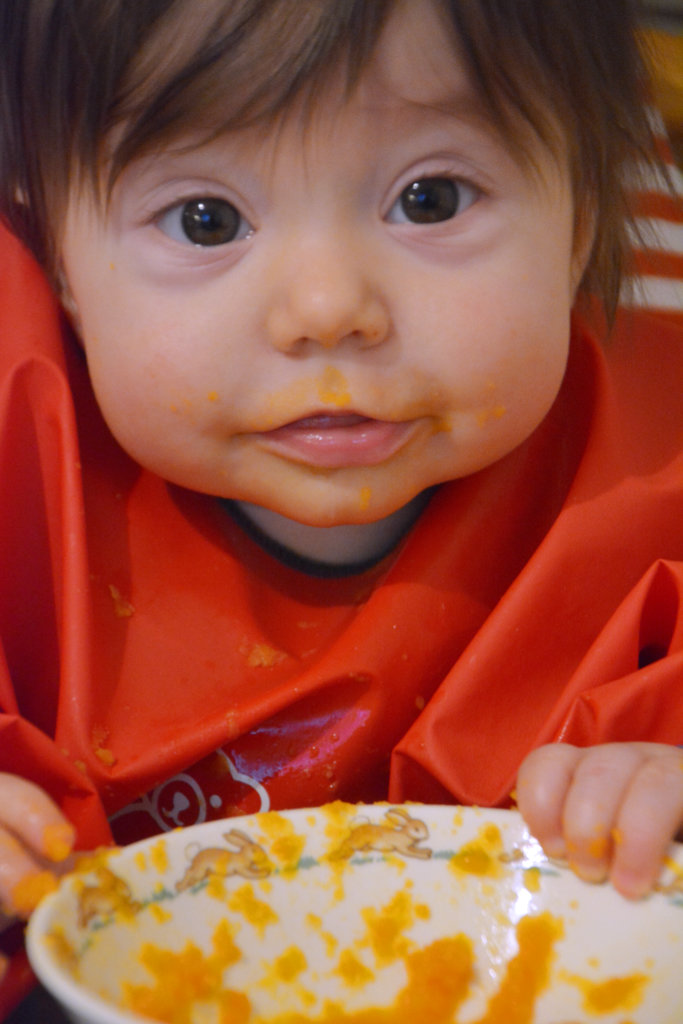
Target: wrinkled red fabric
[[158, 668]]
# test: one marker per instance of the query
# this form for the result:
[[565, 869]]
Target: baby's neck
[[336, 547]]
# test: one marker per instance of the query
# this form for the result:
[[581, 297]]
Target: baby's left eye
[[206, 221], [432, 200]]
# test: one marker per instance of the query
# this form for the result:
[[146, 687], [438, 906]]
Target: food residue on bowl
[[345, 946]]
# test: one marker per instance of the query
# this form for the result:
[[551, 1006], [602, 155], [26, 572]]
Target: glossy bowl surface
[[357, 914]]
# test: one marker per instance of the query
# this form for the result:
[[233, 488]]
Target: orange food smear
[[58, 841], [439, 979], [365, 497], [598, 847], [333, 388], [352, 970], [261, 655], [258, 913], [105, 755], [63, 951], [532, 879], [29, 891], [186, 978], [494, 412], [99, 736], [289, 850], [286, 845], [158, 854], [616, 994], [386, 927], [290, 965], [481, 856], [612, 994], [123, 609], [527, 973], [473, 861]]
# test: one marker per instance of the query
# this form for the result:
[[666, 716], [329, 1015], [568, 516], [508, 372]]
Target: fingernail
[[633, 887], [593, 873], [556, 849]]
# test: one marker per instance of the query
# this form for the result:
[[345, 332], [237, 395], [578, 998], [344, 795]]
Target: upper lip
[[329, 418]]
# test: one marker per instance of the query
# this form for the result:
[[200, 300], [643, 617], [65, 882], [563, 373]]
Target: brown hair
[[75, 74]]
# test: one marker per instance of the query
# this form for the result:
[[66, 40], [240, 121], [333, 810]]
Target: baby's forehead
[[415, 66], [418, 56]]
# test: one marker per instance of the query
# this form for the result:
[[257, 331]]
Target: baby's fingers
[[33, 835], [23, 880], [34, 818], [610, 810], [543, 783], [651, 813]]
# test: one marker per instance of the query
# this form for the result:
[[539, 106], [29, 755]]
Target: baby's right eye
[[206, 221]]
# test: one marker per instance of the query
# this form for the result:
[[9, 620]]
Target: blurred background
[[663, 29]]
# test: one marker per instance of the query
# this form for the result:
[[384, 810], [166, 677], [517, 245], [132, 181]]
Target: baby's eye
[[431, 200], [205, 222]]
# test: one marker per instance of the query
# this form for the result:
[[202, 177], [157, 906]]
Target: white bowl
[[453, 914]]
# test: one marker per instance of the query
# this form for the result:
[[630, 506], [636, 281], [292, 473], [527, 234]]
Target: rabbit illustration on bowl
[[399, 833], [248, 860]]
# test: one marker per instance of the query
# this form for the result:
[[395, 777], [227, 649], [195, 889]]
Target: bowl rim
[[76, 999]]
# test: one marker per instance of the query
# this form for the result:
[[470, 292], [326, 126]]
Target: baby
[[361, 507]]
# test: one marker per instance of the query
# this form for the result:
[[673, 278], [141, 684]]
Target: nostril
[[290, 328]]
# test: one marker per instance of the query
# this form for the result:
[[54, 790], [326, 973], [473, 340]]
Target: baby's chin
[[358, 510], [336, 543]]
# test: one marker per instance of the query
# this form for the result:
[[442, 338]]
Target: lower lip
[[335, 441]]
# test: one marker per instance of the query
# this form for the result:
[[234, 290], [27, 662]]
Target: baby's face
[[327, 320]]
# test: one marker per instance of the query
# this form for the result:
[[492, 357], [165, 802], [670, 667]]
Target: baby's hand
[[610, 810], [35, 838]]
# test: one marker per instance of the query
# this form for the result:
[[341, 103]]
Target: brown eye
[[210, 221], [430, 200], [204, 222]]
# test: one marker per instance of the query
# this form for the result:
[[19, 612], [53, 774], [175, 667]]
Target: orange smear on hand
[[598, 847], [29, 891], [58, 841]]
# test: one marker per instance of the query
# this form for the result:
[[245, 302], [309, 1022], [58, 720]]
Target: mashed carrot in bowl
[[356, 914]]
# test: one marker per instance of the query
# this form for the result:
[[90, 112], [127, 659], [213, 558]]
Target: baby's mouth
[[336, 439], [329, 421]]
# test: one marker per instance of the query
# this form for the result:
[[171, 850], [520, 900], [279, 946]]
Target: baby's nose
[[326, 301]]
